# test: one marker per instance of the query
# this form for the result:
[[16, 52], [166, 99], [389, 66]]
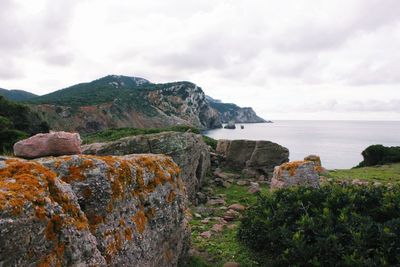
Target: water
[[339, 143]]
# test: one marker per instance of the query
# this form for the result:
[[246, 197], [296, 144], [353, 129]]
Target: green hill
[[16, 95]]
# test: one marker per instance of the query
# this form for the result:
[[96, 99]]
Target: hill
[[16, 95]]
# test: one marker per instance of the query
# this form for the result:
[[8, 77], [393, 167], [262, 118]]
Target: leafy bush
[[210, 141], [332, 226], [17, 122], [379, 155], [115, 134]]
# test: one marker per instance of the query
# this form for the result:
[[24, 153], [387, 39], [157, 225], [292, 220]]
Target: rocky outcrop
[[303, 173], [314, 158], [48, 144], [92, 211], [188, 150], [253, 158], [231, 125]]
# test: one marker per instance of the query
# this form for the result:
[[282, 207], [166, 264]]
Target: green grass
[[224, 247], [115, 134], [383, 174]]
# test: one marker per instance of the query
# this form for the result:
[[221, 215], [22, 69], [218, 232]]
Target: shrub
[[210, 141], [331, 226], [379, 155]]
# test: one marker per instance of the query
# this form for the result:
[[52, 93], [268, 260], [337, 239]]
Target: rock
[[254, 188], [242, 182], [41, 222], [226, 184], [217, 228], [215, 202], [204, 211], [188, 150], [231, 215], [359, 182], [218, 182], [201, 198], [314, 158], [231, 125], [198, 216], [231, 264], [237, 207], [253, 158], [295, 173], [89, 210], [206, 234], [226, 175], [206, 220], [48, 144]]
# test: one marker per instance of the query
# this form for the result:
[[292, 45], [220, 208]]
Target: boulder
[[48, 144], [230, 125], [188, 150], [314, 158], [294, 173], [253, 158], [92, 211]]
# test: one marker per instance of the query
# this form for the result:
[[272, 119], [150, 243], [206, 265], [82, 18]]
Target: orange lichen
[[128, 234], [140, 221], [291, 167], [171, 196]]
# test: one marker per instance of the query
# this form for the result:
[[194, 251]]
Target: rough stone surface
[[253, 158], [93, 211], [48, 144], [188, 150], [230, 125], [295, 173], [314, 158]]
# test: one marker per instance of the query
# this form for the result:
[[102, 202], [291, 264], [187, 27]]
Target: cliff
[[121, 101], [92, 211]]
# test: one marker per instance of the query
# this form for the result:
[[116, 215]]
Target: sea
[[338, 143]]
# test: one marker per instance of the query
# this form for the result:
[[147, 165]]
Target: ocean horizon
[[339, 143]]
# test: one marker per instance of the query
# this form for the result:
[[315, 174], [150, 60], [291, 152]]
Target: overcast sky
[[300, 59]]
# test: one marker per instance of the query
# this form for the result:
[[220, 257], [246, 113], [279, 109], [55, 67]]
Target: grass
[[115, 134], [384, 174], [224, 247]]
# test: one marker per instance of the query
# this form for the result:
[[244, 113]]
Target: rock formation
[[253, 158], [188, 150], [92, 211], [295, 173], [48, 144], [230, 125]]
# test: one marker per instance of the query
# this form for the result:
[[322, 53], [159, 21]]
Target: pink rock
[[214, 202], [231, 215], [217, 228], [237, 207], [206, 234], [49, 144]]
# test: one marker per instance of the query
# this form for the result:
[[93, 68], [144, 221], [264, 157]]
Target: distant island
[[117, 101]]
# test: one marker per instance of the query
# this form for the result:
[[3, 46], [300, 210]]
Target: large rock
[[253, 158], [188, 150], [92, 211], [48, 144], [294, 173]]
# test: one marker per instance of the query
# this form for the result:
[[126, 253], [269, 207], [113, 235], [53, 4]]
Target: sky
[[288, 59]]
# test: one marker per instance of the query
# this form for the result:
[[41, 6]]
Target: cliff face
[[92, 211], [120, 101], [231, 112]]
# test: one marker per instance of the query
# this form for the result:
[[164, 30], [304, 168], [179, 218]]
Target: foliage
[[332, 226], [16, 95], [115, 134], [384, 174], [17, 122], [210, 141], [196, 262], [379, 155]]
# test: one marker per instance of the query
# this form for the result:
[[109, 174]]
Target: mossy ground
[[383, 174]]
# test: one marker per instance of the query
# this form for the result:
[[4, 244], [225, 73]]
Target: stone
[[231, 264], [226, 184], [253, 158], [188, 150], [359, 182], [230, 125], [242, 182], [254, 188], [231, 215], [206, 234], [217, 228], [48, 144], [201, 198], [219, 182], [303, 173], [93, 211], [198, 216], [314, 158], [216, 202], [237, 207], [206, 220]]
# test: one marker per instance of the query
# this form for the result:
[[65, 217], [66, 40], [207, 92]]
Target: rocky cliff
[[120, 101], [231, 112], [188, 150], [92, 211]]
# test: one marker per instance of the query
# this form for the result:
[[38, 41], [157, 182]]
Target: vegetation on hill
[[379, 155], [332, 226], [389, 173], [16, 95], [17, 122]]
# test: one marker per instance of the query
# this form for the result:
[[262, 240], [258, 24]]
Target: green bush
[[380, 155], [332, 226], [210, 141]]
